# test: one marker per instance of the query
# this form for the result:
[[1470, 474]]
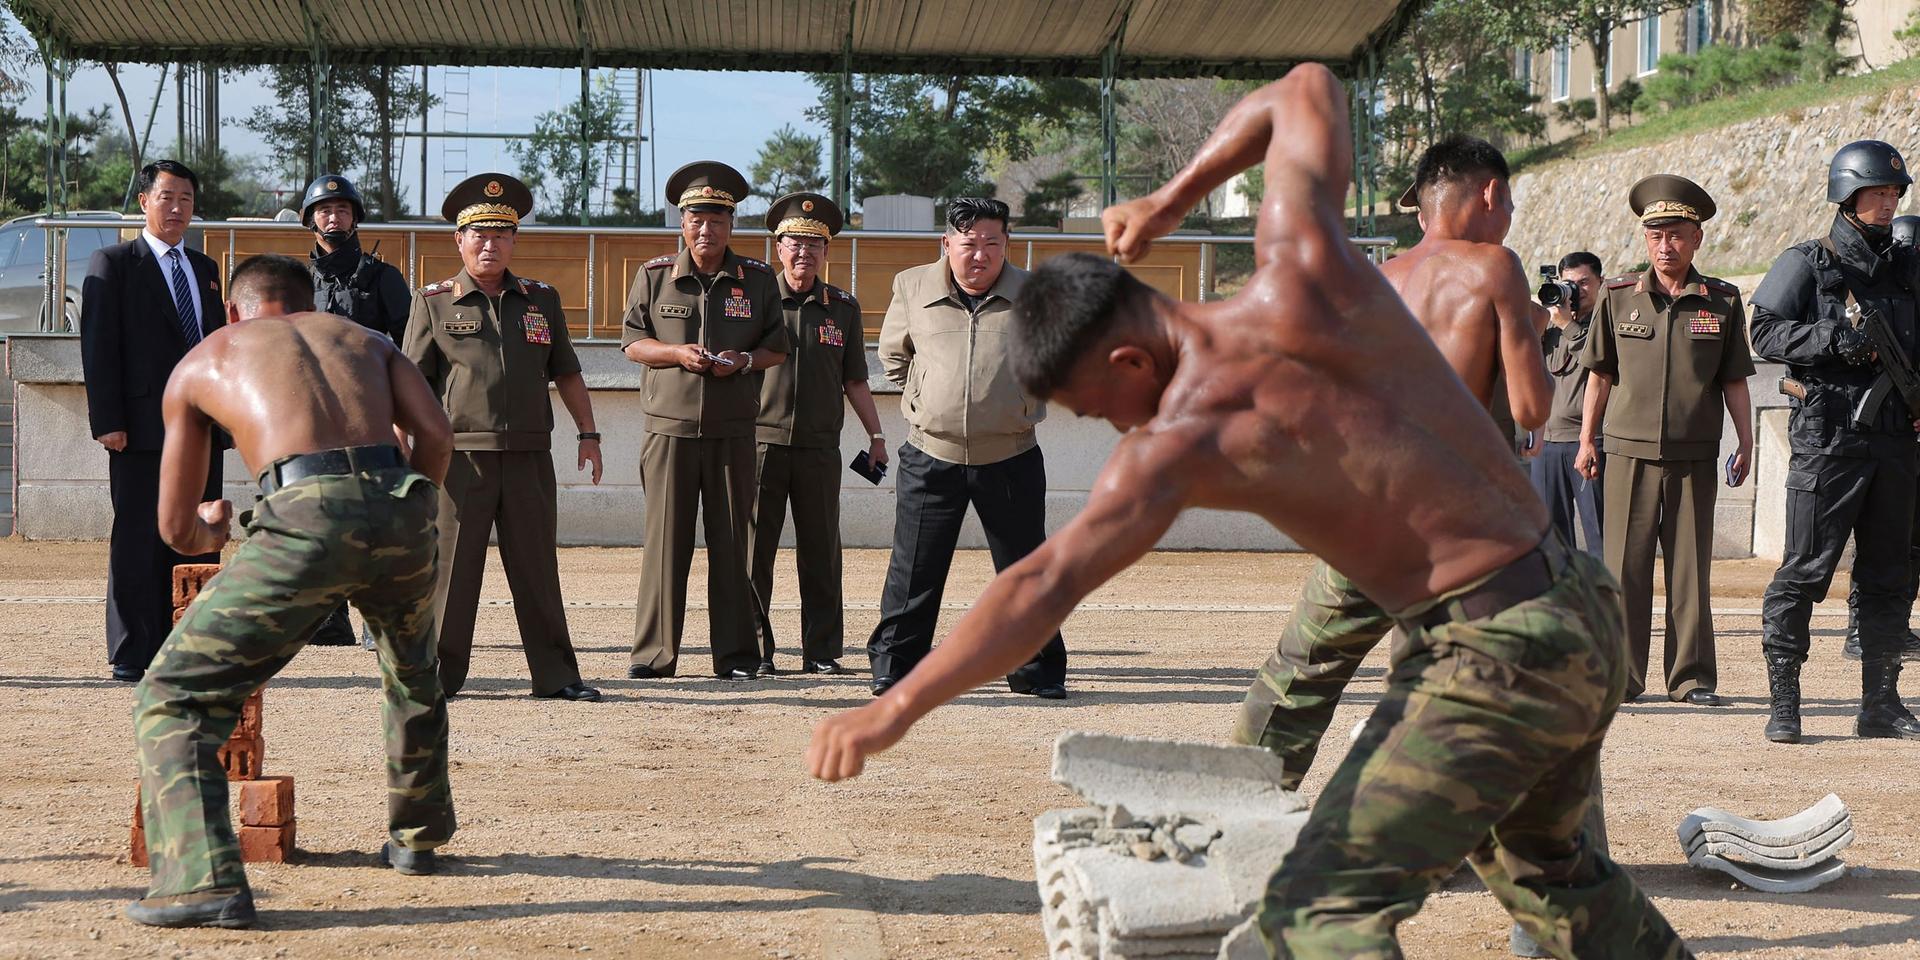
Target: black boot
[[1881, 712], [1783, 684], [230, 907], [1910, 647], [335, 631]]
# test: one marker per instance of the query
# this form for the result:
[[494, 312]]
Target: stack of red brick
[[266, 803]]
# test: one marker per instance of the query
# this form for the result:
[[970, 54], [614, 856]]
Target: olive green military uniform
[[802, 405], [699, 449], [1668, 357], [490, 359], [311, 546]]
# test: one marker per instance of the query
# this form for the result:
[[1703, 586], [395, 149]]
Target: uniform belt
[[1525, 578], [325, 463]]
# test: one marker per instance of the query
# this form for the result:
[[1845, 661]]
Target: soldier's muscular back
[[293, 384]]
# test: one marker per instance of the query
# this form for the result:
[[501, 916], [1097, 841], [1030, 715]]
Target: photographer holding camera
[[1571, 291], [1853, 465]]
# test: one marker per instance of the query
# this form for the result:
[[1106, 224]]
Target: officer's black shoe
[[1881, 712], [1046, 691], [576, 691], [736, 675], [822, 666], [1783, 687], [1702, 697], [883, 684], [127, 674], [335, 631], [230, 907], [413, 863], [766, 667], [641, 671], [1851, 649]]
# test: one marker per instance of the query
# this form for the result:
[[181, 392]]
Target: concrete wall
[[62, 472]]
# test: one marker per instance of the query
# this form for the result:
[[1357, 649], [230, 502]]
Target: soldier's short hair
[[964, 212], [1458, 159], [271, 278], [1070, 305]]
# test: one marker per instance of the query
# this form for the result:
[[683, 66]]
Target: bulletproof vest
[[355, 296], [1892, 293]]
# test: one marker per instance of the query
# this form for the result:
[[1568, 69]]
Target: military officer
[[1666, 351], [701, 323], [1853, 469], [801, 411], [489, 342], [352, 283]]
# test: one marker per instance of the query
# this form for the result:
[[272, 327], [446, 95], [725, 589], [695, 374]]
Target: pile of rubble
[[1791, 855], [1173, 855]]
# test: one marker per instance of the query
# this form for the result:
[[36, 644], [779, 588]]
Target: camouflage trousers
[[311, 546], [1485, 745]]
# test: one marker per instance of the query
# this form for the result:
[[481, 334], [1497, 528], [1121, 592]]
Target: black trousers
[[931, 498], [140, 564], [1828, 498], [1567, 494]]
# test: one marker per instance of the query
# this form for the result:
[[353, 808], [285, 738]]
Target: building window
[[1699, 26], [1523, 68], [1562, 66], [1604, 75], [1649, 44]]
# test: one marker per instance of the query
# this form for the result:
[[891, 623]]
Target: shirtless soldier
[[1471, 294], [341, 517], [1314, 400]]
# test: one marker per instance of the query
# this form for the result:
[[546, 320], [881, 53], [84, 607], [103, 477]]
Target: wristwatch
[[749, 367], [878, 436], [590, 435]]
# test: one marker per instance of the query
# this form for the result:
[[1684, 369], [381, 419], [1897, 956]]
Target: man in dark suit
[[145, 303]]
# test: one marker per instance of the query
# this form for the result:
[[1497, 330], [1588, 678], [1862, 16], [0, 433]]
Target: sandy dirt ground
[[673, 819]]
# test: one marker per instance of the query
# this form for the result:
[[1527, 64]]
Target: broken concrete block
[[1787, 832], [267, 844], [1216, 825], [1244, 943], [266, 802], [1799, 856], [1771, 880]]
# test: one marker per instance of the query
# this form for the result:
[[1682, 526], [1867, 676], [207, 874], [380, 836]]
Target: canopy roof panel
[[1248, 38]]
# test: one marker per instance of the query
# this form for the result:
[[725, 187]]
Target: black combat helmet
[[1862, 164], [331, 186]]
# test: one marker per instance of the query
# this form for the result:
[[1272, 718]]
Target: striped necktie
[[183, 298]]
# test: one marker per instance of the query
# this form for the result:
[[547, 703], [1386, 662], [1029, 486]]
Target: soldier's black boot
[[230, 907], [335, 631], [1881, 712], [1783, 685]]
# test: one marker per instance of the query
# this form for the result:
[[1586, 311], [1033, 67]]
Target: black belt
[[326, 463], [1525, 578]]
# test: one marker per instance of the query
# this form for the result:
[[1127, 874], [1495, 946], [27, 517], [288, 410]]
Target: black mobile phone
[[863, 465]]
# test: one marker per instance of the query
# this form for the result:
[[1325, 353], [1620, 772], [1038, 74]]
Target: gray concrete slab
[[1792, 857], [1159, 778], [1770, 880], [1801, 828]]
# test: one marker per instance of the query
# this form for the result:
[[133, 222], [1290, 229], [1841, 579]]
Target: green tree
[[363, 102], [789, 162], [1450, 75], [1046, 204], [934, 135], [1592, 22], [551, 161]]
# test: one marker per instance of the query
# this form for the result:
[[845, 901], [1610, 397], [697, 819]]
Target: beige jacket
[[960, 398]]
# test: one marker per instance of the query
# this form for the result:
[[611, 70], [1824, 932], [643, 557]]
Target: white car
[[23, 269]]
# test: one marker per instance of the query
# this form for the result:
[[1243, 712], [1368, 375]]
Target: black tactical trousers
[[931, 500], [1828, 498]]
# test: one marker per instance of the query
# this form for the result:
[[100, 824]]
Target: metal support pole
[[586, 107], [426, 206], [843, 121], [317, 92], [1109, 128]]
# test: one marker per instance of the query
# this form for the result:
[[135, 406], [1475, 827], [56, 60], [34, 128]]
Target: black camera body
[[1554, 291]]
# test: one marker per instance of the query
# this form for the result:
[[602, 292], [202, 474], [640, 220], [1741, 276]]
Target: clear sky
[[699, 115]]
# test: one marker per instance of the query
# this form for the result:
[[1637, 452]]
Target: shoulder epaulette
[[756, 264], [661, 261], [432, 289], [528, 285], [841, 295], [1627, 280], [1715, 283]]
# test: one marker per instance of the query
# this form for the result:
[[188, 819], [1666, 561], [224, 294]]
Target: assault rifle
[[1897, 371]]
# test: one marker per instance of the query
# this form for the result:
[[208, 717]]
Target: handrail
[[52, 319]]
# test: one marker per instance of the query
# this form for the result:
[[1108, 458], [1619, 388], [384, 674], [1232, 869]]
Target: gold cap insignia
[[491, 214], [1668, 209], [333, 184], [494, 188], [802, 226], [806, 205]]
